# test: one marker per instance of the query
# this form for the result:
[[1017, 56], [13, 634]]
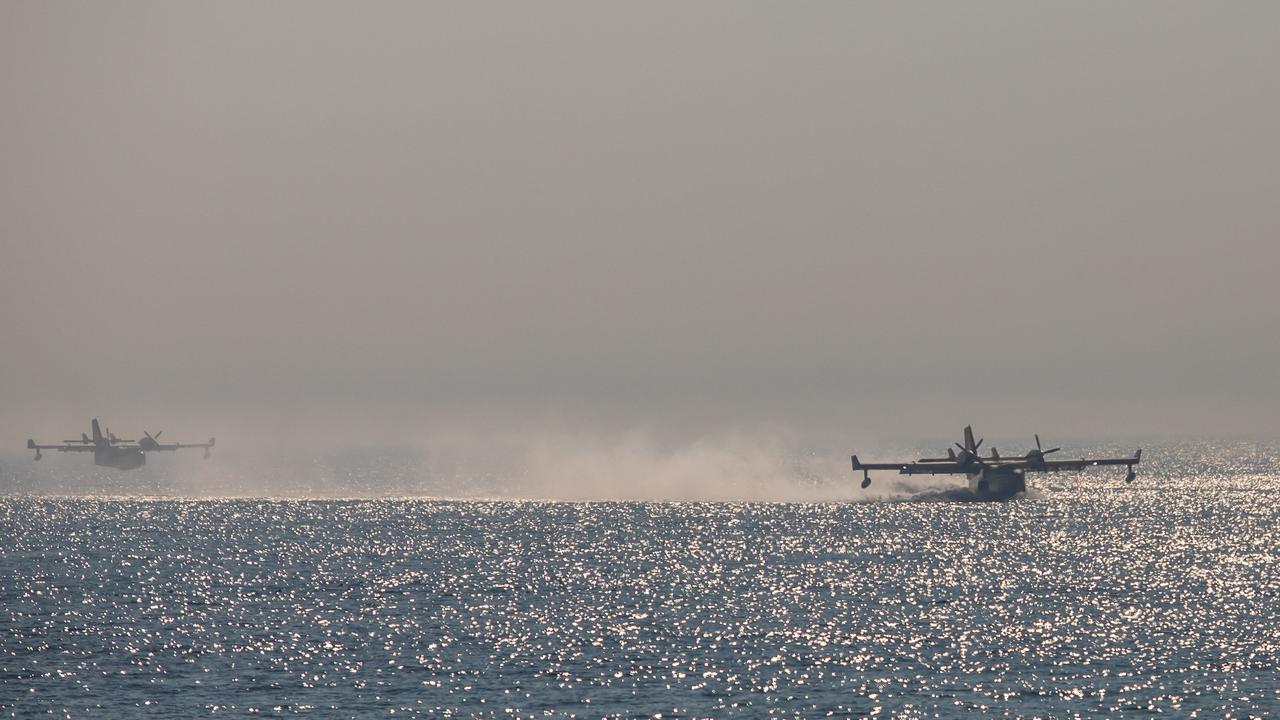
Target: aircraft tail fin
[[31, 444], [969, 444], [97, 433]]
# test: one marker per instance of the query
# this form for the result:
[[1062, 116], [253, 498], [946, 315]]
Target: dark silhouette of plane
[[113, 452], [993, 477]]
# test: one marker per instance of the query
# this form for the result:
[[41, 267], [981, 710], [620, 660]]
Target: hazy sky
[[892, 218]]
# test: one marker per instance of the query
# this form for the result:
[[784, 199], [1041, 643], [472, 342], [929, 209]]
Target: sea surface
[[1088, 597]]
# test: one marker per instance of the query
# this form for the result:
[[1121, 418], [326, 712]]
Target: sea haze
[[1088, 596]]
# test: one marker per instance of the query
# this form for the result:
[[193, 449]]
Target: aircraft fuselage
[[119, 458], [997, 483]]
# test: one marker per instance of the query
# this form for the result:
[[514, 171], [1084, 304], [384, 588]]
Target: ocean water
[[1088, 597]]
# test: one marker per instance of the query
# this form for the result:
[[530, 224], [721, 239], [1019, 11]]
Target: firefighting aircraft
[[113, 452], [993, 477]]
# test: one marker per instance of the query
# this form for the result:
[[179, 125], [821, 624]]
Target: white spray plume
[[544, 460]]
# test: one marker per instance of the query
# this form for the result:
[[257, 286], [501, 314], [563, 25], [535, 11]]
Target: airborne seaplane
[[993, 477], [113, 452]]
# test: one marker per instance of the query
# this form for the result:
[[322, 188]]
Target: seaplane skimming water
[[113, 452], [993, 477]]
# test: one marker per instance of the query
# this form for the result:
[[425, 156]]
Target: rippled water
[[1087, 597]]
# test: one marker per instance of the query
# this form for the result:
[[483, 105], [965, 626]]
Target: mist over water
[[768, 464], [549, 461], [561, 463]]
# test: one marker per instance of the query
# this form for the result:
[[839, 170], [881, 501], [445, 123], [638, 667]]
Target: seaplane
[[113, 452], [994, 477]]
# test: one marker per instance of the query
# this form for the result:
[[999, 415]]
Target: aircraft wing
[[931, 467], [169, 447], [1058, 465], [69, 447], [935, 468]]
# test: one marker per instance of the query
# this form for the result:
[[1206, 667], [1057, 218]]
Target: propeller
[[967, 453], [153, 441], [1038, 454]]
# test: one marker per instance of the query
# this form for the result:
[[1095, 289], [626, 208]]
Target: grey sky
[[891, 217]]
